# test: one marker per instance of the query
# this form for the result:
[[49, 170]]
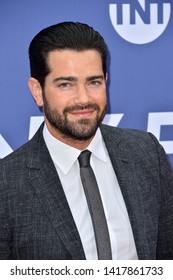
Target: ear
[[36, 91], [106, 77]]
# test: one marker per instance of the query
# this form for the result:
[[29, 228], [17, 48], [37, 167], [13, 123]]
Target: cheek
[[56, 102], [59, 104], [101, 99]]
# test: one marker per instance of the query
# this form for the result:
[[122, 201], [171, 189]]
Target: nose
[[82, 95]]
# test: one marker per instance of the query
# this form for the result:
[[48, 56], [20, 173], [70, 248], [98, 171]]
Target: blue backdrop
[[139, 35]]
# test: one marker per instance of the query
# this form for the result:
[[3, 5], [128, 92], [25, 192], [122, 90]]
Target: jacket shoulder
[[21, 154], [127, 134]]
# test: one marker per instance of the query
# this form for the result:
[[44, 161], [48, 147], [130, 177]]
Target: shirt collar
[[64, 156]]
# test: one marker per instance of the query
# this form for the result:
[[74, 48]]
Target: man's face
[[74, 97]]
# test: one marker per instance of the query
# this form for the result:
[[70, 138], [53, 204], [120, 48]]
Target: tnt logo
[[140, 21]]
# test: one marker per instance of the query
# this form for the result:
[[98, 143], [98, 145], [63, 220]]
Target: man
[[44, 213]]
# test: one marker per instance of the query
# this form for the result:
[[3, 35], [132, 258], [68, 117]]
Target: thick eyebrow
[[92, 78], [68, 78], [72, 78]]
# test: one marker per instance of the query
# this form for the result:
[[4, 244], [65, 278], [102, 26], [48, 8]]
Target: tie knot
[[84, 158]]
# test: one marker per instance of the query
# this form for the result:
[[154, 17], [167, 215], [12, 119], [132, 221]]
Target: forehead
[[70, 59]]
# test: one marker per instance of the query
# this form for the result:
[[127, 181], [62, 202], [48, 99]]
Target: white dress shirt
[[65, 159]]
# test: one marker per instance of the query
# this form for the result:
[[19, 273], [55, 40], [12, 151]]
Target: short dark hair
[[66, 35]]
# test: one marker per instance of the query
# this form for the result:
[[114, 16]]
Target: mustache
[[81, 107]]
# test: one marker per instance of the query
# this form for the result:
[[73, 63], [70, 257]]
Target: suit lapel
[[130, 185], [45, 181]]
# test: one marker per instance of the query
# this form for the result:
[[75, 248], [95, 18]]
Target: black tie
[[95, 207]]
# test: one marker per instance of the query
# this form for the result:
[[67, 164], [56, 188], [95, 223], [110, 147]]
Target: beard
[[82, 129]]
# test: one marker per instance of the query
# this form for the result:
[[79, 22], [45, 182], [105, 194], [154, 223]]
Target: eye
[[64, 85], [95, 83]]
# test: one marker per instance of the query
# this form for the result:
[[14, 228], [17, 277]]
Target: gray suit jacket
[[35, 219]]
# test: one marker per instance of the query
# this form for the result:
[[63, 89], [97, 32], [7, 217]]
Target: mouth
[[82, 111], [86, 113]]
